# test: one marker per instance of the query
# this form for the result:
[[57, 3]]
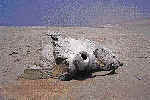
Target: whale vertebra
[[81, 55]]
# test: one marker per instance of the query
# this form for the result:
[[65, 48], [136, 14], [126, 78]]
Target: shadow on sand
[[85, 75]]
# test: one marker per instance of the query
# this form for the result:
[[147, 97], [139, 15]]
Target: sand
[[20, 48]]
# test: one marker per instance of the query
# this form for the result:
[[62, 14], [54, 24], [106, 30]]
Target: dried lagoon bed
[[20, 48]]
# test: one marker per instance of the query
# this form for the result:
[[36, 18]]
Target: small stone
[[138, 77]]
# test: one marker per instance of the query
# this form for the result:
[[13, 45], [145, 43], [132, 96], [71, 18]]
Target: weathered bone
[[80, 55]]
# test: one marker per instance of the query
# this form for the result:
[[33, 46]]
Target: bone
[[80, 54]]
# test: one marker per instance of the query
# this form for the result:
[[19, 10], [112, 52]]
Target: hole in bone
[[84, 56]]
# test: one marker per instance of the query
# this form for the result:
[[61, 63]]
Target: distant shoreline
[[133, 21]]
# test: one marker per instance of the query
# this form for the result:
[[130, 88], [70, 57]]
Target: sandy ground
[[20, 48]]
